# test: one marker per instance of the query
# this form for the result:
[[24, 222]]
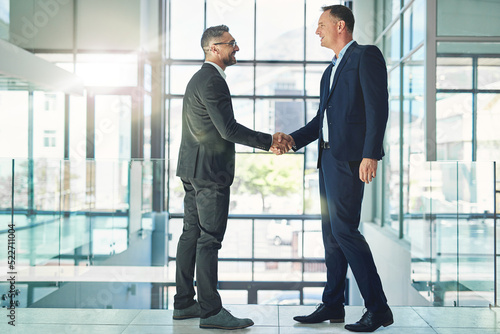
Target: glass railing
[[84, 232], [60, 219], [69, 212], [78, 227], [450, 222]]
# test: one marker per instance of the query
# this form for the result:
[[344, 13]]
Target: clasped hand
[[282, 143]]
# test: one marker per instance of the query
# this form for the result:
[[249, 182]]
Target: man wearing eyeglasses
[[206, 168]]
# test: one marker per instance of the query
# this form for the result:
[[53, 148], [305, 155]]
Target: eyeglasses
[[233, 43]]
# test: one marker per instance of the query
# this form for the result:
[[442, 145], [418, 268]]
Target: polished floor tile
[[160, 318], [268, 320], [134, 329], [460, 317], [454, 330], [62, 329], [406, 320], [263, 315], [286, 314], [75, 316]]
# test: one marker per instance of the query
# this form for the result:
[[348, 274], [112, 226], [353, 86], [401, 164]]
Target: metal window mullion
[[254, 63], [137, 113], [61, 221], [166, 175], [403, 9], [253, 250], [31, 169], [468, 39], [205, 15], [458, 241], [66, 126], [90, 125], [495, 276], [74, 50], [430, 81], [165, 110], [304, 163], [431, 225], [401, 128], [401, 152], [168, 28], [474, 106], [302, 257]]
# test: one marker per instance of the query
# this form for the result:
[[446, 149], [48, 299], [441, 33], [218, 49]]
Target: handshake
[[282, 143]]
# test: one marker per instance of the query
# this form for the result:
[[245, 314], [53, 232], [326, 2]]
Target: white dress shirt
[[336, 61]]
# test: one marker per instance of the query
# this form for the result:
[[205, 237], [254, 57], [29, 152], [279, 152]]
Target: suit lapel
[[343, 61], [326, 82], [325, 90]]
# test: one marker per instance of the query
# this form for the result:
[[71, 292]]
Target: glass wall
[[452, 230], [87, 203], [275, 87], [418, 197], [467, 87], [14, 106], [4, 19], [466, 18], [84, 193], [401, 38]]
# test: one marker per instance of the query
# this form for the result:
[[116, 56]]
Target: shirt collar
[[341, 53], [221, 71]]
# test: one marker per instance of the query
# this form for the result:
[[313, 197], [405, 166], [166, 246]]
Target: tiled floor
[[268, 320]]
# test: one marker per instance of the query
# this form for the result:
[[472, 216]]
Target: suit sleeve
[[373, 79], [306, 134], [310, 132], [217, 100]]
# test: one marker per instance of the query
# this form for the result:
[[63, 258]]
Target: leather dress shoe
[[370, 321], [192, 311], [225, 320], [322, 313]]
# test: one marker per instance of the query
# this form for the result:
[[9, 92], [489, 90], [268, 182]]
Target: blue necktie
[[333, 71]]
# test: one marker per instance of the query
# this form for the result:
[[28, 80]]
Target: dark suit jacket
[[357, 106], [209, 130]]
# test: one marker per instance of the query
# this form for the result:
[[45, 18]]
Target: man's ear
[[341, 25]]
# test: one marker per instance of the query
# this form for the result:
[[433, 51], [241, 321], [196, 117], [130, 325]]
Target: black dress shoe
[[322, 313], [370, 321]]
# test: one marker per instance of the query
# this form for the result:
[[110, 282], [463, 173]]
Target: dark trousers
[[341, 193], [206, 206]]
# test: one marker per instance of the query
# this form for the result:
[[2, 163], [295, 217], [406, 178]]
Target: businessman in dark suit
[[206, 168], [350, 126]]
